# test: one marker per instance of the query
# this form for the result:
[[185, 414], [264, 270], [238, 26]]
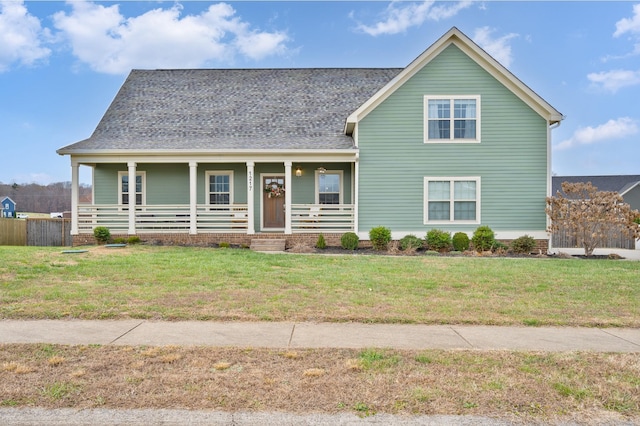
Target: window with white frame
[[329, 187], [452, 199], [452, 118], [125, 190], [219, 187]]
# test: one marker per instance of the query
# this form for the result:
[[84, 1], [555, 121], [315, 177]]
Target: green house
[[453, 141]]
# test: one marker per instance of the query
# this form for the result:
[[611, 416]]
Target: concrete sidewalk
[[319, 335]]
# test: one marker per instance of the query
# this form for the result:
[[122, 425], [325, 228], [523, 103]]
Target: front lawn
[[181, 283]]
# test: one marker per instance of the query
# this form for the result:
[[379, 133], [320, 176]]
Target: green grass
[[179, 283]]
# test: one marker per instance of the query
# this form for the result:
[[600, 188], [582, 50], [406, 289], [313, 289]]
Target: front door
[[273, 202]]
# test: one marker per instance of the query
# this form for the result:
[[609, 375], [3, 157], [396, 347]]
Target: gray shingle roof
[[216, 109], [616, 183]]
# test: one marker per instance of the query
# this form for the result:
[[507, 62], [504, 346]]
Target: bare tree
[[35, 198], [590, 215]]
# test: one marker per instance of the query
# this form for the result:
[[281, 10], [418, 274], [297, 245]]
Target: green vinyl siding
[[164, 183], [511, 158], [239, 181], [105, 183]]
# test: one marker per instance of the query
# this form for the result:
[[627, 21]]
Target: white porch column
[[193, 198], [251, 226], [132, 197], [287, 197], [75, 177], [356, 191]]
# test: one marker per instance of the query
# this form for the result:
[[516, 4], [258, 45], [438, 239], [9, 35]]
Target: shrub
[[483, 238], [460, 241], [321, 243], [102, 234], [499, 247], [637, 220], [380, 237], [134, 239], [438, 240], [410, 242], [523, 245], [120, 240], [349, 241], [224, 245]]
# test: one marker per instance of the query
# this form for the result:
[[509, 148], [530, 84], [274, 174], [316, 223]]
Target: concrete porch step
[[270, 244]]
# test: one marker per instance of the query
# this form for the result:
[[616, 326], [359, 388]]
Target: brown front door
[[273, 202]]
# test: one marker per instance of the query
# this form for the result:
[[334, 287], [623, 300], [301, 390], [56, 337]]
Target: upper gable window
[[452, 119]]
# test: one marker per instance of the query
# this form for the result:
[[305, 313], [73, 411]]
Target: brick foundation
[[235, 239], [209, 240]]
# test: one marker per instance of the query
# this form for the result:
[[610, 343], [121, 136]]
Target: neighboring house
[[628, 186], [8, 207], [453, 141]]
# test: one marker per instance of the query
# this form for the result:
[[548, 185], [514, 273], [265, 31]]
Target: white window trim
[[207, 193], [317, 185], [451, 98], [452, 179], [144, 186]]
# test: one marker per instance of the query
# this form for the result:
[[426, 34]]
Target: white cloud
[[39, 178], [103, 38], [614, 80], [21, 36], [499, 48], [400, 16], [629, 25], [612, 129]]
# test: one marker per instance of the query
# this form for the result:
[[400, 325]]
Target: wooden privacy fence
[[35, 232], [13, 232], [614, 239]]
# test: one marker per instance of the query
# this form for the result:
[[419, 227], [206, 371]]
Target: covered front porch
[[146, 196]]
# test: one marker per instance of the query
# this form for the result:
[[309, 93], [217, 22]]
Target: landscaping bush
[[224, 245], [380, 237], [102, 234], [134, 239], [523, 245], [410, 242], [483, 239], [321, 243], [438, 240], [460, 241], [499, 247], [120, 240], [349, 241]]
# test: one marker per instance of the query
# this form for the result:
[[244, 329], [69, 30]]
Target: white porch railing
[[163, 218], [321, 218], [222, 218], [176, 218]]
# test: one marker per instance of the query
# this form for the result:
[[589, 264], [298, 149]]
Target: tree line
[[36, 198]]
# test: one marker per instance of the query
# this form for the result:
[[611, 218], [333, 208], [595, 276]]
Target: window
[[124, 189], [329, 187], [452, 119], [219, 187], [452, 200]]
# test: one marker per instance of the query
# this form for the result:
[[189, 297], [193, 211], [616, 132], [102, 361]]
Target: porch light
[[321, 170], [298, 171]]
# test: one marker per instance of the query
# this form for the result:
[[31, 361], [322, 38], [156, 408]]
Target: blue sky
[[61, 63]]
